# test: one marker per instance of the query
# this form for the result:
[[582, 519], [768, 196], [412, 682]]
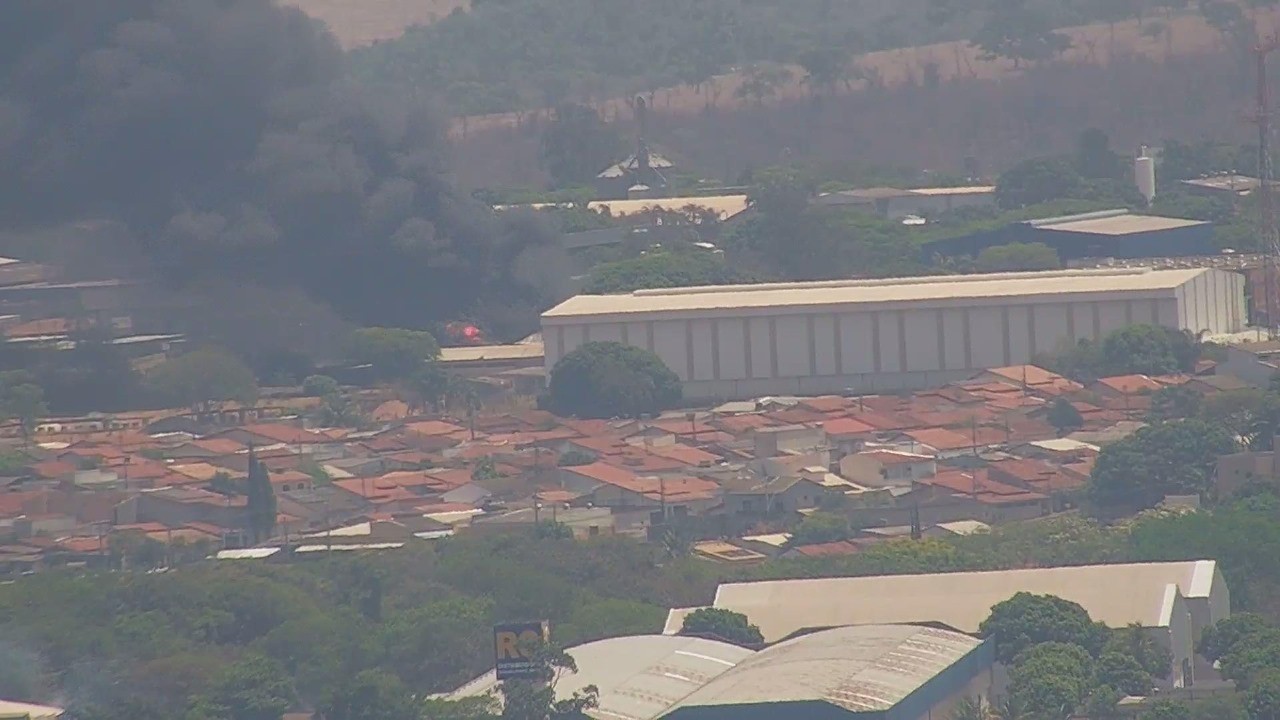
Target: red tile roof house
[[993, 501]]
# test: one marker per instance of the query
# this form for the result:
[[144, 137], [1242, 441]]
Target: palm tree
[[971, 708]]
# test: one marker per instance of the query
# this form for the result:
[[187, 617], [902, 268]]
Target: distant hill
[[362, 22]]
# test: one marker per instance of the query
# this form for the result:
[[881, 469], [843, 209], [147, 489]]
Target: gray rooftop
[[865, 668], [1112, 222], [1044, 287], [1116, 595], [639, 677]]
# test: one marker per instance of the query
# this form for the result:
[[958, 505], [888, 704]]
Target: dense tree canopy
[[1026, 620], [575, 50], [1135, 349], [662, 270], [202, 377], [394, 353], [727, 625], [1017, 256], [609, 379], [1172, 458]]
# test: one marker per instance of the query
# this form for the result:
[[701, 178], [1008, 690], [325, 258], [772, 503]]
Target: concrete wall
[[1213, 301]]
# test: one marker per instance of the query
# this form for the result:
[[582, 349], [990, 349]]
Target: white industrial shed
[[872, 672], [891, 672], [745, 341], [1175, 601], [639, 677]]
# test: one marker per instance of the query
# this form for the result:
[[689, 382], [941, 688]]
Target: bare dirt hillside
[[1158, 38], [362, 22]]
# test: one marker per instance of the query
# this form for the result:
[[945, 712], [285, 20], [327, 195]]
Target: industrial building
[[1174, 601], [813, 338], [638, 677], [894, 672], [1109, 233], [897, 204], [881, 672]]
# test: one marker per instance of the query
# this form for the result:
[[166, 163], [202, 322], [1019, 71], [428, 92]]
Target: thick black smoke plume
[[224, 134]]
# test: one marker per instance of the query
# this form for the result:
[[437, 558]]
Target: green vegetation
[[1025, 620], [1017, 256], [394, 353], [1136, 349], [821, 527], [424, 615], [202, 378], [723, 624], [663, 270], [609, 379], [1064, 417], [261, 501], [1171, 458], [577, 50]]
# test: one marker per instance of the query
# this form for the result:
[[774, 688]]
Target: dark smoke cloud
[[225, 136]]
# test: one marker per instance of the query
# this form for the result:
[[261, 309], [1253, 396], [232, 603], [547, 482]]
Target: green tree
[[575, 457], [1221, 638], [609, 379], [1051, 679], [824, 66], [21, 399], [1134, 641], [727, 625], [261, 506], [821, 528], [253, 688], [1020, 31], [661, 270], [1015, 257], [202, 378], [320, 386], [1063, 416], [428, 386], [1149, 350], [1174, 402], [1036, 181], [1172, 458], [394, 353], [577, 145], [1094, 157], [1123, 672], [535, 698], [1262, 699], [371, 695], [1026, 620]]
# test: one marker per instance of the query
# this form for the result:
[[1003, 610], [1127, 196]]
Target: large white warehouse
[[742, 341]]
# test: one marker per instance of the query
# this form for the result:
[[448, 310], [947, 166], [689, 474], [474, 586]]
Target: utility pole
[[1266, 208]]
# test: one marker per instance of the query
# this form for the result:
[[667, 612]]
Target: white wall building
[[812, 338]]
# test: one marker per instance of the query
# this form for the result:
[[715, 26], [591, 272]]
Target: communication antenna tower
[[1266, 206]]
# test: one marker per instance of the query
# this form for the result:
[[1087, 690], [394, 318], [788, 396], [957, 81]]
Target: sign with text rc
[[512, 643]]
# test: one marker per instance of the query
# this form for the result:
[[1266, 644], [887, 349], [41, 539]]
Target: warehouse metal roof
[[864, 668], [1116, 595], [1049, 285], [638, 677], [1121, 224]]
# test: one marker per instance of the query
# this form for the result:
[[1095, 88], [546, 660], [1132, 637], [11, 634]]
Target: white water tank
[[1144, 175]]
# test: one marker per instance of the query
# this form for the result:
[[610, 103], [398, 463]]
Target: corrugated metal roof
[[638, 677], [1048, 286], [1116, 595], [478, 353], [864, 668], [1125, 224]]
